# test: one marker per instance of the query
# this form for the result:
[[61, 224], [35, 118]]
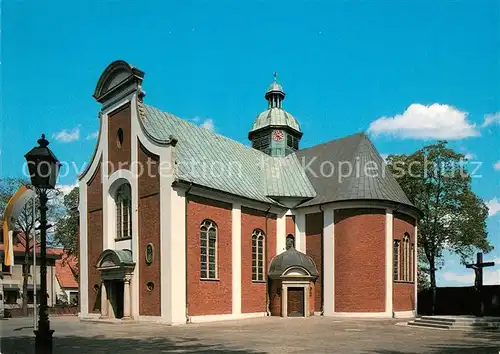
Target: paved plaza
[[264, 335]]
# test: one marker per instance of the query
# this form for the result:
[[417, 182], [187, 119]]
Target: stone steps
[[457, 323]]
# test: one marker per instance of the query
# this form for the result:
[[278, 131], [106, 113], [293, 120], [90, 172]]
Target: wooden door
[[295, 305]]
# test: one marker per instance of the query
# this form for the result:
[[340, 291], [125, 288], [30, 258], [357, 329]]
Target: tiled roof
[[361, 183], [215, 161], [66, 269], [211, 160], [20, 246]]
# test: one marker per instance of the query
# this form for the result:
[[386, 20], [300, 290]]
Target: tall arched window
[[406, 258], [208, 250], [396, 260], [123, 211], [258, 255]]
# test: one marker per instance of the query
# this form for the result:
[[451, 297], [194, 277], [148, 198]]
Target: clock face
[[278, 135]]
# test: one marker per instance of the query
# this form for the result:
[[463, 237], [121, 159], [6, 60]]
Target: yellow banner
[[12, 210]]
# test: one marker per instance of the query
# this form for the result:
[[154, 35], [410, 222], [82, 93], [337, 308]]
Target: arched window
[[412, 263], [258, 255], [123, 211], [406, 258], [396, 260], [208, 250]]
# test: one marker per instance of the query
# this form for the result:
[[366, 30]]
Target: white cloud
[[66, 188], [384, 156], [208, 124], [493, 206], [67, 136], [469, 156], [437, 121], [490, 119], [465, 279], [93, 135], [496, 166], [490, 277]]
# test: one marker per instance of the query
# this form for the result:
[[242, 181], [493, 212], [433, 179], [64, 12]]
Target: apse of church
[[161, 243]]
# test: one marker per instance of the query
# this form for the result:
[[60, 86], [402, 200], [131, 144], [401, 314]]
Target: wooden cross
[[478, 284]]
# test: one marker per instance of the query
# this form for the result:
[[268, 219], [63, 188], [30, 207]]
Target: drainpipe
[[267, 265], [188, 319], [322, 262]]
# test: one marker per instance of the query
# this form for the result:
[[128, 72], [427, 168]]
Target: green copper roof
[[275, 87], [215, 161], [275, 117], [292, 258]]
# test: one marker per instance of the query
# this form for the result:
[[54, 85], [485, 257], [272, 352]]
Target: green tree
[[66, 232], [436, 180], [25, 224]]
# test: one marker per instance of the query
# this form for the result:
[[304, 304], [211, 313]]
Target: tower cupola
[[275, 131]]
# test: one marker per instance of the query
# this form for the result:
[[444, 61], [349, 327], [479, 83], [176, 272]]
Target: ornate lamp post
[[43, 168]]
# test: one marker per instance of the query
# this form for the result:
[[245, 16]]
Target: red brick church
[[179, 224]]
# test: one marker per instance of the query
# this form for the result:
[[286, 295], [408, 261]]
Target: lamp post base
[[43, 341]]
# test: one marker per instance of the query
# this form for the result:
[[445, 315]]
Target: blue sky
[[430, 67]]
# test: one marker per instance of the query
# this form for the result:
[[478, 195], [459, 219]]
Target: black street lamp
[[43, 168]]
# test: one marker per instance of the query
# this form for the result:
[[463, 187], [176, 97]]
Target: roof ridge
[[333, 140]]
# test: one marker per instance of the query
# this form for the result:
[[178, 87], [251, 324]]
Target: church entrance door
[[295, 305], [116, 297]]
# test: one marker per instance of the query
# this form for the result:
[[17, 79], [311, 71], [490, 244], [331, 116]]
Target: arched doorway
[[116, 267], [292, 275]]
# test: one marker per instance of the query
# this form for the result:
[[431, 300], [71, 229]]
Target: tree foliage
[[26, 223], [66, 232], [436, 180]]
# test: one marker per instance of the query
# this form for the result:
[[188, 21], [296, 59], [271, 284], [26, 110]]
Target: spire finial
[[275, 74]]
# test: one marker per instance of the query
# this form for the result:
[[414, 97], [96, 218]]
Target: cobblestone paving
[[265, 335]]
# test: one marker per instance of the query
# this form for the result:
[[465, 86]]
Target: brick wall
[[149, 232], [314, 249], [94, 237], [360, 260], [290, 225], [209, 297], [403, 298], [253, 294], [119, 156]]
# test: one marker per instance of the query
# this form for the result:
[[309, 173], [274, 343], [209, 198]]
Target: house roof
[[214, 161], [66, 270], [20, 247], [209, 159], [292, 258], [368, 179]]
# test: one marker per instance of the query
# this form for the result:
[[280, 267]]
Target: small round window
[[150, 286], [119, 137]]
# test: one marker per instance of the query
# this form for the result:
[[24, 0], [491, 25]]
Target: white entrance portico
[[116, 267]]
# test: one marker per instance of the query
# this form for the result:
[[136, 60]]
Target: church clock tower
[[275, 131]]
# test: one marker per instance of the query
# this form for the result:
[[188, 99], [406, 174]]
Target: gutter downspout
[[268, 313], [322, 262], [188, 319]]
